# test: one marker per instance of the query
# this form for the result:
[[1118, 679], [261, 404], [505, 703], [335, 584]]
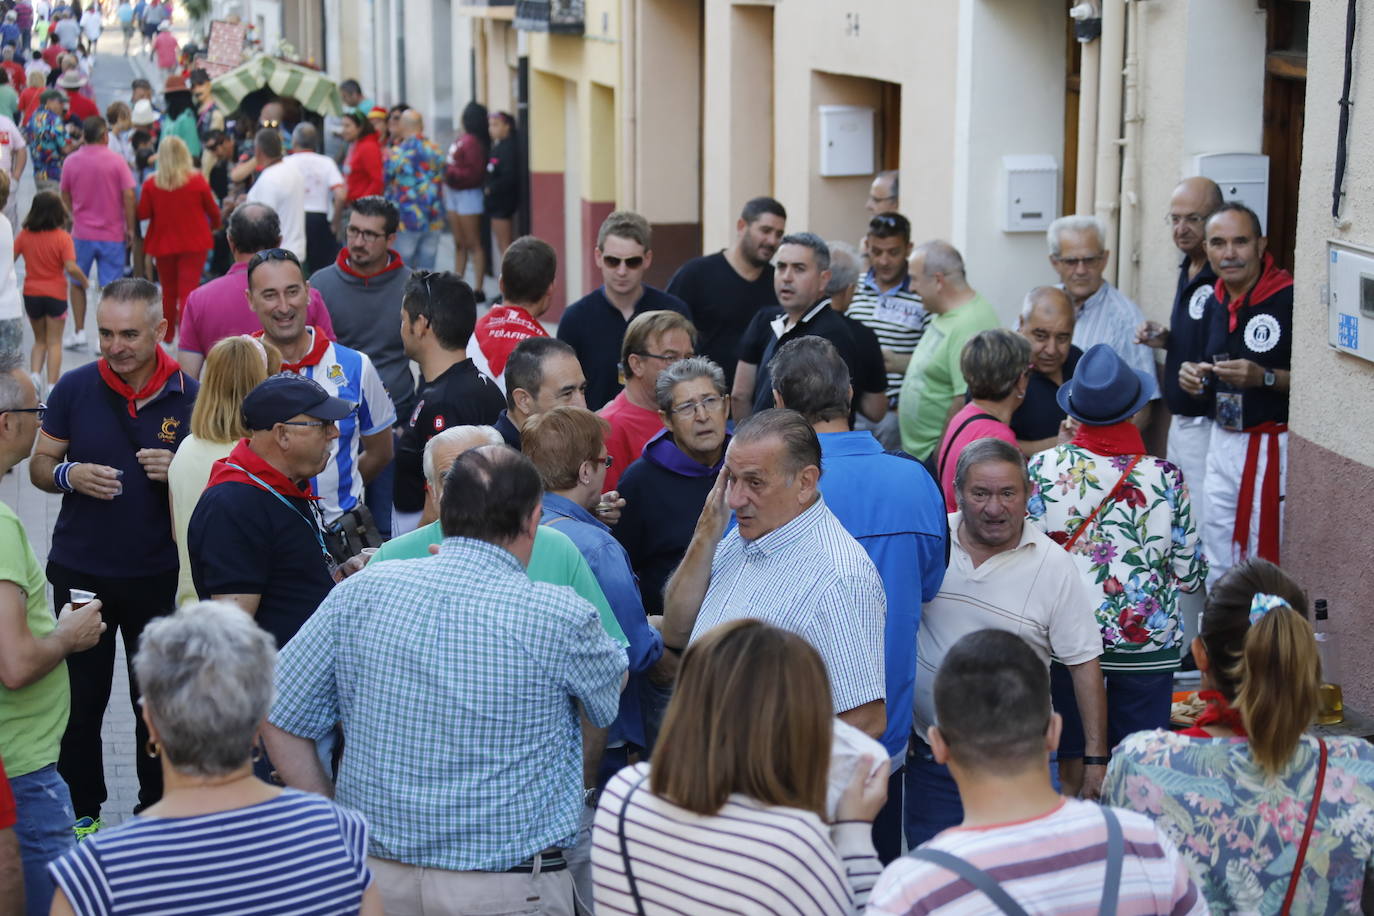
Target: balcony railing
[[560, 17]]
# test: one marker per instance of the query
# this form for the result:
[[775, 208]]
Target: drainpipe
[[1128, 264], [1108, 175], [1088, 77]]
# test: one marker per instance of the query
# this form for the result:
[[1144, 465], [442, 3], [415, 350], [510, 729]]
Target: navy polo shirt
[[1039, 415], [595, 328], [1264, 335], [761, 343], [131, 535], [244, 540], [1188, 329]]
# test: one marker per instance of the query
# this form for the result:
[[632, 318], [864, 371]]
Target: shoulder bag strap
[[625, 847], [974, 875], [1116, 853], [949, 443], [1307, 831], [1087, 522]]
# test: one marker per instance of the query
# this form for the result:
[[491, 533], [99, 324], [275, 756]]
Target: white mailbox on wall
[[1030, 192], [846, 140], [1241, 176]]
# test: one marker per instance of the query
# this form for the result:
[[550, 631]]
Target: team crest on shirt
[[335, 374], [438, 423], [1198, 304], [168, 432], [1262, 333]]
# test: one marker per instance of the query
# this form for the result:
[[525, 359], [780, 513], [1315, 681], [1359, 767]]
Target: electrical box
[[1350, 302], [1029, 192], [846, 140], [1241, 176]]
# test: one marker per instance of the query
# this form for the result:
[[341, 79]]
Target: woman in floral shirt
[[414, 172], [1126, 519], [1235, 792]]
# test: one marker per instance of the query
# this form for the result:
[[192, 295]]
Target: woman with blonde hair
[[1270, 818], [182, 214], [732, 812], [234, 367]]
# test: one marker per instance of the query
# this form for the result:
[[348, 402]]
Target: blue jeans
[[1135, 703], [109, 255], [418, 248], [44, 829]]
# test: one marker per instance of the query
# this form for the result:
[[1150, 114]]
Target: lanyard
[[314, 528]]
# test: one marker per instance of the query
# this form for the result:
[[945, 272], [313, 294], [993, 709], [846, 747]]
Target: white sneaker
[[37, 384]]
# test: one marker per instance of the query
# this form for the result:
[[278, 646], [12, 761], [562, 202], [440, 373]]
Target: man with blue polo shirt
[[279, 294], [109, 434], [904, 532]]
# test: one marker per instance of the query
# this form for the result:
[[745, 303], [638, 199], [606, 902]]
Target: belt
[[550, 859]]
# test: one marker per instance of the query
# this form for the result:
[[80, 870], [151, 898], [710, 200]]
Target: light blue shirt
[[1108, 317]]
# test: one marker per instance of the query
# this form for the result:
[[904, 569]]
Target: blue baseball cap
[[287, 394]]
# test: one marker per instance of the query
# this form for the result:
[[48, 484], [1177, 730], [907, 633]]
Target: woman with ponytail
[[1270, 818]]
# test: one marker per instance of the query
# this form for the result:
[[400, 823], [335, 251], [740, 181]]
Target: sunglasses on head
[[271, 254], [613, 262]]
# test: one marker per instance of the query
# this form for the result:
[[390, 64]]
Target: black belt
[[548, 860]]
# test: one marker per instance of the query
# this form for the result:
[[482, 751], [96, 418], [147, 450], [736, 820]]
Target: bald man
[[1183, 341], [324, 188], [414, 182], [1046, 320]]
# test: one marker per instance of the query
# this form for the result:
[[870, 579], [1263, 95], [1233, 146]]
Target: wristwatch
[[1269, 378]]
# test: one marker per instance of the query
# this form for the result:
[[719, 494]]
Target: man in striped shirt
[[1049, 854], [886, 303]]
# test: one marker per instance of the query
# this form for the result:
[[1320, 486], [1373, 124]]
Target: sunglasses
[[613, 262], [271, 254]]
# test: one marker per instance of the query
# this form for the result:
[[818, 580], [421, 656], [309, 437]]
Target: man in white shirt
[[324, 186], [281, 186], [14, 155]]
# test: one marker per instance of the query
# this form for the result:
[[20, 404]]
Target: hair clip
[[1262, 604]]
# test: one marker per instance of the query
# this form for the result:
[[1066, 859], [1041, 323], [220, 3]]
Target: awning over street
[[311, 88]]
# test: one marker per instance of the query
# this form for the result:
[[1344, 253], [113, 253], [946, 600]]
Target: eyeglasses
[[38, 411], [1075, 263], [1192, 219], [307, 422], [666, 357], [367, 235], [709, 404], [633, 263]]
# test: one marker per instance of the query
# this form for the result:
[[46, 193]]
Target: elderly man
[[665, 489], [216, 310], [108, 436], [726, 289], [882, 193], [1250, 320], [653, 341], [596, 324], [494, 744], [324, 191], [994, 554], [281, 186], [542, 373], [34, 694], [414, 172], [255, 537], [933, 385], [788, 561], [279, 294], [1046, 321], [904, 533], [1184, 340], [800, 277]]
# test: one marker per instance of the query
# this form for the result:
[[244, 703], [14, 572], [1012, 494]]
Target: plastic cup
[[368, 553], [81, 597]]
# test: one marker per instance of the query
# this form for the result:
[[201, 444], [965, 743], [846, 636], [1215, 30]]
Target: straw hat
[[143, 113]]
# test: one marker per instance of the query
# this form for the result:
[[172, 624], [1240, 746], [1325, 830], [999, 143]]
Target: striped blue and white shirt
[[1108, 317], [896, 316], [349, 374], [296, 854], [810, 577]]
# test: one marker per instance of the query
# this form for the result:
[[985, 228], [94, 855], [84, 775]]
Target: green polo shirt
[[933, 376], [555, 559], [32, 718]]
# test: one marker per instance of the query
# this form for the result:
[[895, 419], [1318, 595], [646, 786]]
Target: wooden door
[[1285, 94]]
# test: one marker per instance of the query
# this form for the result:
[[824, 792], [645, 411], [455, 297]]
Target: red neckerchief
[[1117, 439], [1218, 712], [165, 368], [393, 263], [1271, 280], [252, 462], [312, 356], [1269, 493]]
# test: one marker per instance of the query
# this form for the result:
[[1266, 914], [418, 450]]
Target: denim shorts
[[44, 829], [109, 255], [469, 202]]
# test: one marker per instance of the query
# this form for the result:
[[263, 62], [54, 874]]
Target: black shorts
[[44, 307]]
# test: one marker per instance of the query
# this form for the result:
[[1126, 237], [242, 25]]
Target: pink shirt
[[220, 309], [165, 46], [978, 429], [631, 427], [96, 177]]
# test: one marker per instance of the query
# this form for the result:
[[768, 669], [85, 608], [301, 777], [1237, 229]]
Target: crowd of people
[[719, 598]]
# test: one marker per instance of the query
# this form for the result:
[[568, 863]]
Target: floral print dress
[[1239, 829], [1140, 551]]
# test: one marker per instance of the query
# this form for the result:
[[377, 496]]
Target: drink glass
[[81, 598]]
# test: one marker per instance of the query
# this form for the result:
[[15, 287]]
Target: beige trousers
[[409, 890]]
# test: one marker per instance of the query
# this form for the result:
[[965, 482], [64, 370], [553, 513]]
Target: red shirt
[[978, 429], [500, 331], [181, 220], [7, 813], [17, 78], [51, 53], [28, 103], [364, 173], [631, 427], [82, 107]]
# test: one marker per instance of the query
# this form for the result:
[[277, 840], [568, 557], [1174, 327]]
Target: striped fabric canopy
[[311, 88]]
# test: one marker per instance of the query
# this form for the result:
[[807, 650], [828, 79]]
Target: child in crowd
[[48, 253]]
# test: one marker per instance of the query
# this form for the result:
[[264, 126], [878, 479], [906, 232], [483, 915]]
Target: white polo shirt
[[1033, 590], [282, 187]]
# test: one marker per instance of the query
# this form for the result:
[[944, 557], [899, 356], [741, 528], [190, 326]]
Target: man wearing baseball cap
[[256, 537]]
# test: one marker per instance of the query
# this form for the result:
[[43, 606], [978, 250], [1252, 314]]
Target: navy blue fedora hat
[[1104, 390]]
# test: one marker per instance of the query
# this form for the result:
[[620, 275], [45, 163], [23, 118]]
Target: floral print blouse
[[1140, 552], [414, 175], [47, 140], [1239, 829]]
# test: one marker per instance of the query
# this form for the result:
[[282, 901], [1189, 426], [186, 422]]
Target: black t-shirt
[[243, 540], [1187, 336], [595, 328], [1263, 334], [869, 353], [759, 344], [722, 304], [460, 396], [1039, 415]]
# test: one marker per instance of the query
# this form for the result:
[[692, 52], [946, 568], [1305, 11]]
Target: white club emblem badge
[[1262, 333], [1198, 303]]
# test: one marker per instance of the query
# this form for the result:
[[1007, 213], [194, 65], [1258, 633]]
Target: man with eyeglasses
[[882, 193], [34, 692], [595, 324], [653, 342]]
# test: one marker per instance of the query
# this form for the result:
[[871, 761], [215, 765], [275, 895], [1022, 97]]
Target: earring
[[257, 752], [151, 748]]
